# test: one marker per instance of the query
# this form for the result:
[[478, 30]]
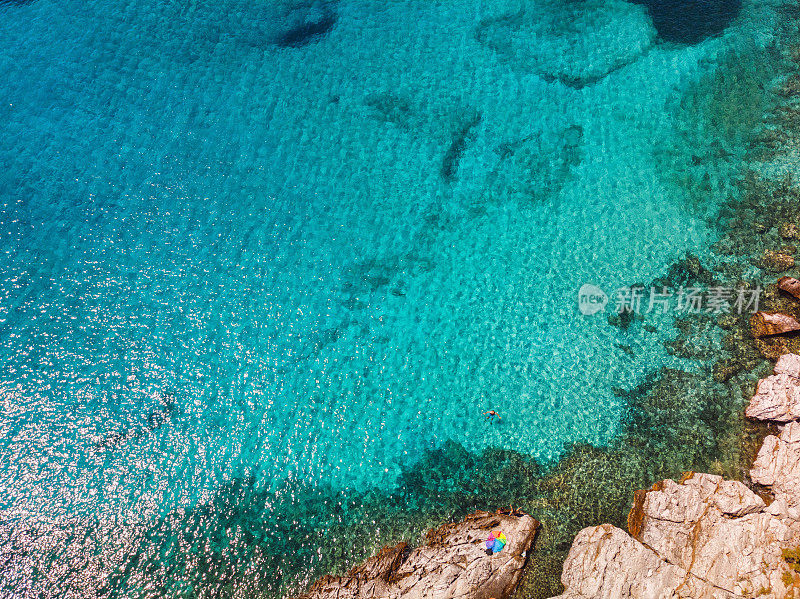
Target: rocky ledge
[[704, 537], [777, 397], [452, 563]]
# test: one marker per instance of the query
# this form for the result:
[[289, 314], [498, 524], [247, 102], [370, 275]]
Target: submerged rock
[[763, 324], [790, 285], [725, 369], [600, 39], [306, 32], [789, 231], [452, 563], [777, 397], [775, 261], [760, 227], [458, 144], [687, 272], [534, 168]]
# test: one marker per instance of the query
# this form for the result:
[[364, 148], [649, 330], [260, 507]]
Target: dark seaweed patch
[[587, 80], [457, 146], [390, 108], [495, 33], [307, 32], [686, 272]]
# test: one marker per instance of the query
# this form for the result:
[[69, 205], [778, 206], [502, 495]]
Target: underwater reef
[[457, 146], [565, 26]]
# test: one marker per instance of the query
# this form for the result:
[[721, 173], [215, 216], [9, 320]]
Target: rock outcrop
[[777, 466], [705, 537], [777, 397], [763, 324], [452, 564]]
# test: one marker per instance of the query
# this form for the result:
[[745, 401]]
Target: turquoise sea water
[[305, 242]]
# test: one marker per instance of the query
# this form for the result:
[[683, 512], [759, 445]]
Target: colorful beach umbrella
[[496, 541]]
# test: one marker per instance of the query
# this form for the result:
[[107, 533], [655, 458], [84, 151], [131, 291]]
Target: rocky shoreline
[[702, 537], [452, 562]]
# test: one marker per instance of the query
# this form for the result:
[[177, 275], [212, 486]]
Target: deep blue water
[[304, 242], [691, 22]]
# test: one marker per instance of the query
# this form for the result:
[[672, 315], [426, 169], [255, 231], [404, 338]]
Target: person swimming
[[491, 414]]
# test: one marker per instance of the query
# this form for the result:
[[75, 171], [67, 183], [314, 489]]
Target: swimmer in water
[[491, 414]]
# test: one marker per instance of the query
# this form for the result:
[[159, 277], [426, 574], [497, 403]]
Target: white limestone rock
[[452, 564], [607, 563], [777, 466], [706, 537], [699, 538], [777, 397]]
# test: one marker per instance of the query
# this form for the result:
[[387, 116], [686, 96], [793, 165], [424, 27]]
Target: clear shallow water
[[230, 253]]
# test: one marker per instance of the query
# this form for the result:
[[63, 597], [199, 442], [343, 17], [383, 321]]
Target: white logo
[[591, 299]]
